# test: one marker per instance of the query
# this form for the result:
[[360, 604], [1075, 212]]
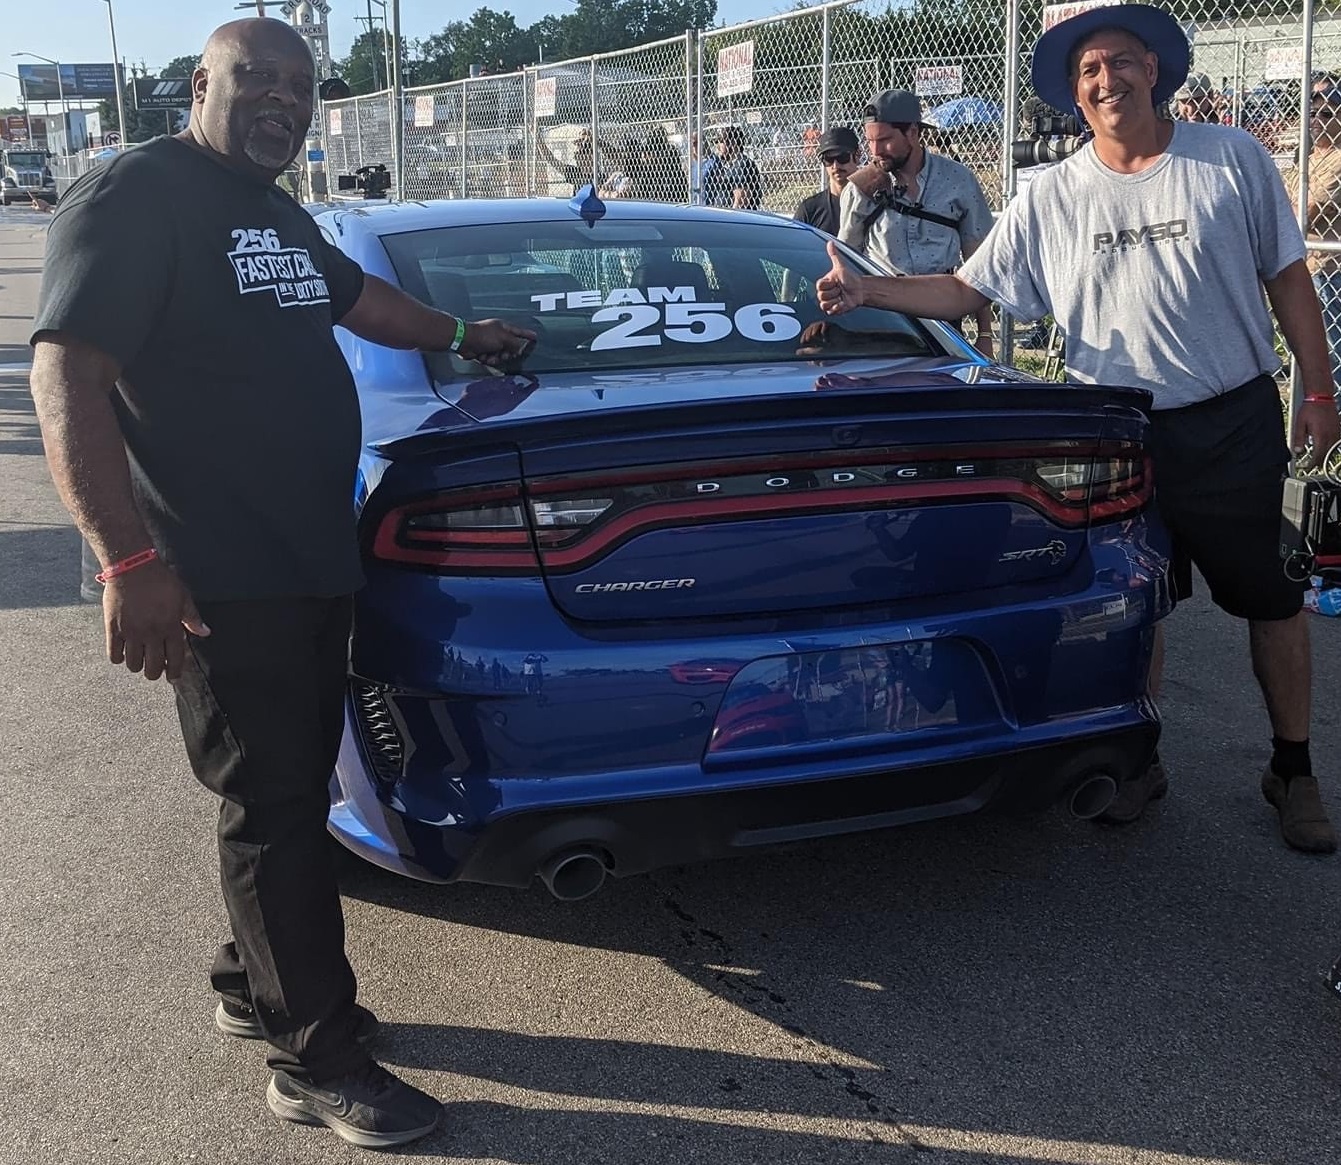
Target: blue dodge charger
[[707, 570]]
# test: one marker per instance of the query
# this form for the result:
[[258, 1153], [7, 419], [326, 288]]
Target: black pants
[[261, 703]]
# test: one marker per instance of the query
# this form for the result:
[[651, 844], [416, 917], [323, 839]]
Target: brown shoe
[[1303, 820], [1134, 795]]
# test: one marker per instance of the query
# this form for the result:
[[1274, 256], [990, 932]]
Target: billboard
[[85, 82]]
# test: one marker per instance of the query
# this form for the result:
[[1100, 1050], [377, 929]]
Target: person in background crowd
[[917, 212], [626, 177], [580, 171], [237, 587], [1197, 100], [1324, 208], [840, 154], [733, 181], [667, 179], [1184, 316]]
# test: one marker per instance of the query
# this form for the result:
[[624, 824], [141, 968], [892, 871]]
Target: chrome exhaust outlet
[[571, 874], [1092, 795]]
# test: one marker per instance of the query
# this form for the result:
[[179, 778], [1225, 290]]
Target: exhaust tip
[[1092, 795], [573, 874]]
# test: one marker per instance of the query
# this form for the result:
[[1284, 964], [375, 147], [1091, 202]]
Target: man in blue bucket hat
[[1151, 246]]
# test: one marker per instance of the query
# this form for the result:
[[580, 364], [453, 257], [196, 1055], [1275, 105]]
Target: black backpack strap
[[917, 210]]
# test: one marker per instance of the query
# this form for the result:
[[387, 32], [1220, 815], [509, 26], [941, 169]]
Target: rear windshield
[[654, 294]]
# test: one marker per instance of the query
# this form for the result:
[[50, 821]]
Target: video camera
[[1055, 137], [373, 181]]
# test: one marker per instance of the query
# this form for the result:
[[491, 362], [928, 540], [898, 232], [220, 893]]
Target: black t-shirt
[[819, 210], [217, 295]]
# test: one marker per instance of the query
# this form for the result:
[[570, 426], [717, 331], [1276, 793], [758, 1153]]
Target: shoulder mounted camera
[[371, 181]]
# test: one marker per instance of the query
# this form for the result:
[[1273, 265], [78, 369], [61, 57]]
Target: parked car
[[709, 571]]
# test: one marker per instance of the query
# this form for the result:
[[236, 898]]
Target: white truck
[[25, 175]]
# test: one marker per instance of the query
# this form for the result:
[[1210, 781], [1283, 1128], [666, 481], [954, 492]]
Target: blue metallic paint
[[500, 769]]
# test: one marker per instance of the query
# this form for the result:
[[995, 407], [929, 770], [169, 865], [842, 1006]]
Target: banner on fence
[[335, 121], [423, 111], [937, 80], [546, 96], [735, 69], [1056, 13]]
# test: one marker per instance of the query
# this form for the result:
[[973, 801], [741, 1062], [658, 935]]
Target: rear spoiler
[[850, 399]]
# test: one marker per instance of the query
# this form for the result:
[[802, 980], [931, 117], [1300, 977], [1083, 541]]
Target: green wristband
[[455, 345]]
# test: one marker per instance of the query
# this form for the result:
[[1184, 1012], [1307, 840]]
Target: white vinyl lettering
[[584, 299], [767, 321], [628, 333], [697, 323]]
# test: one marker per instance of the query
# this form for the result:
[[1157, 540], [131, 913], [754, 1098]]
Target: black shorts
[[1219, 467]]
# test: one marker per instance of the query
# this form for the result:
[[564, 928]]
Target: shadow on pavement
[[41, 567], [1004, 975]]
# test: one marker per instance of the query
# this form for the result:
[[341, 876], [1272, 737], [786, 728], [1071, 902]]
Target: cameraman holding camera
[[1152, 245], [916, 212]]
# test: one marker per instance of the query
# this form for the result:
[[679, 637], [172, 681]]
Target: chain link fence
[[640, 123]]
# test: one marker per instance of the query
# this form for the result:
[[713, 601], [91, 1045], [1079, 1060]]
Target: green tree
[[364, 70]]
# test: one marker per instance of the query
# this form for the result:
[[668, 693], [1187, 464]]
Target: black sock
[[1289, 758]]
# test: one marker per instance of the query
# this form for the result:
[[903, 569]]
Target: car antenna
[[588, 204]]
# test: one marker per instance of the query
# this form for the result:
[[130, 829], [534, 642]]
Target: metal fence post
[[696, 194], [691, 105], [595, 126], [463, 148], [826, 55], [1305, 117], [358, 130], [1009, 117]]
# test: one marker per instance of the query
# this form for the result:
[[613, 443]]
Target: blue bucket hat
[[1154, 27]]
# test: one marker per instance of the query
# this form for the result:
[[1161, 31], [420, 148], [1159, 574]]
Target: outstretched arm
[[387, 315], [935, 297]]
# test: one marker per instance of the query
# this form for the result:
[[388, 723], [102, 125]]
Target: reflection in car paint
[[851, 692]]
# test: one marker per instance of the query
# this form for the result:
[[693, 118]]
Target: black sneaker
[[370, 1108], [238, 1019]]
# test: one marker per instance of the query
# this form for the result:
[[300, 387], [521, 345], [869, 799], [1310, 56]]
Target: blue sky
[[154, 31]]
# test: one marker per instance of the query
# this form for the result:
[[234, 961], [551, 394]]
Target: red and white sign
[[546, 96], [735, 69], [423, 111], [939, 81], [1056, 13], [335, 121]]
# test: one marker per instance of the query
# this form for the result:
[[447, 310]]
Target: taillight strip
[[657, 515]]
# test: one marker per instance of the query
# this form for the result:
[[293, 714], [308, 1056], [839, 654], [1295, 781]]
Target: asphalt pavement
[[983, 990]]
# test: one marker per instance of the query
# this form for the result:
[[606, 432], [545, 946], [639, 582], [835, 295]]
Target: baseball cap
[[894, 107], [838, 139], [1153, 27], [1196, 85]]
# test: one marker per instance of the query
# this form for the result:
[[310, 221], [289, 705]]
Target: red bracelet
[[126, 565], [1319, 398]]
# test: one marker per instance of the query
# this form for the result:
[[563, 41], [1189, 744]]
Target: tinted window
[[653, 294]]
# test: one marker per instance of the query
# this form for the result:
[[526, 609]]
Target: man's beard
[[894, 164], [268, 155]]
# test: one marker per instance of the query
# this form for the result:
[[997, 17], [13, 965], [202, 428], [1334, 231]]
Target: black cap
[[838, 139], [894, 107]]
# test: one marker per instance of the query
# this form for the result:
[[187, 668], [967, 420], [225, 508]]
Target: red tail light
[[567, 523], [466, 531]]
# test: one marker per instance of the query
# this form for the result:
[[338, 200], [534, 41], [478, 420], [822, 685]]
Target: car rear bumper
[[635, 834]]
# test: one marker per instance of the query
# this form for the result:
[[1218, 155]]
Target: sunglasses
[[836, 159]]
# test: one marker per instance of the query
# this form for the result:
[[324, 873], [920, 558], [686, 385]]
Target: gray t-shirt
[[1154, 278], [916, 246]]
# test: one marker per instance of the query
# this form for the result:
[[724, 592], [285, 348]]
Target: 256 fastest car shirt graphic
[[261, 262]]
